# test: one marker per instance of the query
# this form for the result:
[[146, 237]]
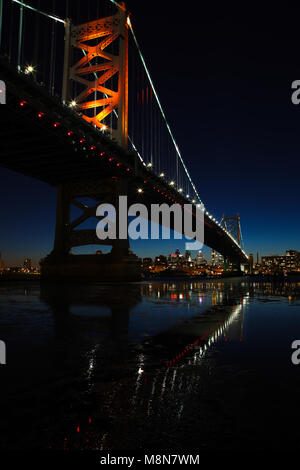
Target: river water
[[152, 366]]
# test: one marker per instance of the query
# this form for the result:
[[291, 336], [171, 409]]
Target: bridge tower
[[96, 60], [96, 65], [233, 226]]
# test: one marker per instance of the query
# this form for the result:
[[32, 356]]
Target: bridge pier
[[118, 265]]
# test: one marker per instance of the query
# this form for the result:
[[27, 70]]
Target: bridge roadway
[[44, 139]]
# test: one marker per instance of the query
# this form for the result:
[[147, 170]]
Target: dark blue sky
[[224, 77]]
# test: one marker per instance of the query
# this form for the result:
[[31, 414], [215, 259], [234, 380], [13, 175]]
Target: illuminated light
[[90, 420], [180, 190], [73, 104], [187, 195], [145, 181], [29, 69], [56, 124], [78, 429], [110, 159], [70, 133], [140, 371], [92, 147], [127, 169], [22, 103], [40, 115], [193, 201], [172, 183], [81, 141], [149, 165], [104, 127], [119, 164], [102, 154], [140, 190], [128, 21], [162, 175]]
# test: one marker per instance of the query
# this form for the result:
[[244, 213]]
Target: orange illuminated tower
[[101, 72]]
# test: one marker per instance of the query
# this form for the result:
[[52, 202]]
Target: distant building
[[216, 258], [251, 262], [288, 262], [200, 260], [147, 262], [27, 264], [161, 260]]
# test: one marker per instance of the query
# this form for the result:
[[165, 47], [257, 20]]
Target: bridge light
[[149, 165], [140, 190], [29, 69], [172, 183], [70, 133], [180, 190], [187, 195], [40, 115], [92, 147], [193, 201], [56, 124], [22, 103], [73, 104], [162, 175], [102, 154], [104, 127]]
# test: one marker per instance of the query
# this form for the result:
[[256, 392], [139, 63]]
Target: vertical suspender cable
[[11, 27], [51, 59], [1, 15], [37, 32], [20, 36]]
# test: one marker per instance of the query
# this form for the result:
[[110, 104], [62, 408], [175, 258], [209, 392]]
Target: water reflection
[[126, 371], [125, 366]]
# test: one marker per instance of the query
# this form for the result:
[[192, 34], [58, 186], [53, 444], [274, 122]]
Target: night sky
[[224, 77]]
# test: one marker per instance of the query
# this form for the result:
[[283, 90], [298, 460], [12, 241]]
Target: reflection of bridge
[[94, 129], [163, 374]]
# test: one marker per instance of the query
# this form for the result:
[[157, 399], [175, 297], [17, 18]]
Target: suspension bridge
[[82, 114]]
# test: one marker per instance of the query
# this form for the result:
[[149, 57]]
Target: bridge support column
[[61, 243], [119, 265]]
